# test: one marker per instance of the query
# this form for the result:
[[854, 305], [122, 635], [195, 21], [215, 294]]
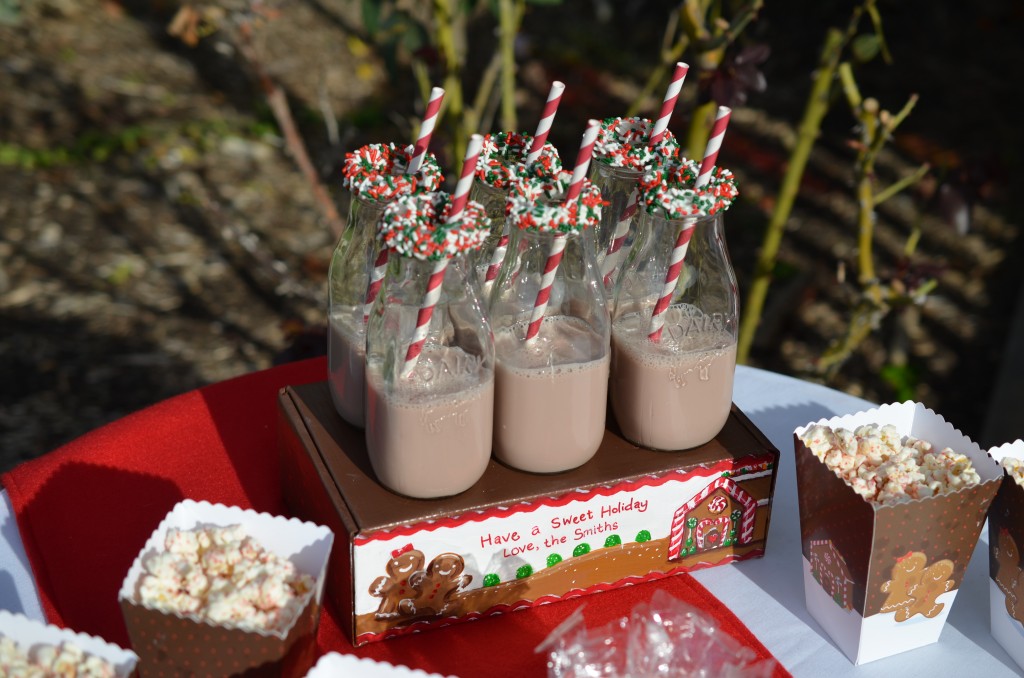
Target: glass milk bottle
[[621, 155], [429, 376], [551, 360], [502, 161], [674, 352], [374, 174]]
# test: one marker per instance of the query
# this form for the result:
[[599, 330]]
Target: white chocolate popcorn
[[49, 661], [226, 577], [1014, 468], [884, 467]]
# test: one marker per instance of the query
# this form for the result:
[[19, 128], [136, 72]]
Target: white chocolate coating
[[884, 467], [226, 577]]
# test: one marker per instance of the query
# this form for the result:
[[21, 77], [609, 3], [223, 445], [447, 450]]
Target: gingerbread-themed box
[[881, 578], [1005, 543], [32, 638], [517, 539], [173, 643]]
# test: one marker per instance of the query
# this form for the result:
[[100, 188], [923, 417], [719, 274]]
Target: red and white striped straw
[[579, 172], [426, 129], [668, 104], [611, 260], [426, 312], [380, 267], [498, 256], [461, 195], [714, 145], [683, 239], [558, 241], [419, 152], [546, 282], [675, 266], [546, 118]]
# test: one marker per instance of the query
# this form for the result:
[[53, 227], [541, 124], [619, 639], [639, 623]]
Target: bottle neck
[[413, 276], [363, 216], [546, 239], [603, 172], [659, 227]]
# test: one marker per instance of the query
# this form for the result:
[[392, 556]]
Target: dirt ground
[[155, 236]]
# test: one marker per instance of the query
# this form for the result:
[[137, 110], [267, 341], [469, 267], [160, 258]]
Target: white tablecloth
[[766, 593]]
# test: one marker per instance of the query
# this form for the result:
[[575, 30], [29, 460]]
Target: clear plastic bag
[[665, 637]]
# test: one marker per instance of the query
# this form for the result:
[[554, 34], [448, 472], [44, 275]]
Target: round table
[[777, 405]]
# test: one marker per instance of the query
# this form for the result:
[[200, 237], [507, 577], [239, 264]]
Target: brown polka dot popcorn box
[[222, 591], [892, 501], [31, 648], [1005, 545]]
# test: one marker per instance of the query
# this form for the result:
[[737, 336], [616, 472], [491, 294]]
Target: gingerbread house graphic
[[829, 569], [722, 514]]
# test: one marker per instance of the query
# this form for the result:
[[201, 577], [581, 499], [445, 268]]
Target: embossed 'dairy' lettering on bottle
[[551, 331], [674, 353], [430, 356]]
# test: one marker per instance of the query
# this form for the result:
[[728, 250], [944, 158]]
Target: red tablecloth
[[86, 509]]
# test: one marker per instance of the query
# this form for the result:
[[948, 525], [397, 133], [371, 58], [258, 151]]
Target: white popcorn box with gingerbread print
[[26, 646], [171, 642], [880, 574], [1005, 544], [335, 664], [515, 540]]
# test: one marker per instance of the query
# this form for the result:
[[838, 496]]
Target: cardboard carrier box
[[518, 539]]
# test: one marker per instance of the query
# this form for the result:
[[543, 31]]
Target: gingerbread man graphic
[[934, 582], [397, 589], [1009, 576], [914, 588], [439, 583]]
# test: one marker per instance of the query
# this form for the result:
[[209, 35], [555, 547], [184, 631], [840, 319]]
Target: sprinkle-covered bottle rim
[[377, 172], [416, 225], [668, 190], [502, 160], [623, 142], [535, 205]]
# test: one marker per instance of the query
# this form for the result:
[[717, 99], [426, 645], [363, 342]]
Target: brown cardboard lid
[[374, 507]]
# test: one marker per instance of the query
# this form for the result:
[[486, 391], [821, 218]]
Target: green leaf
[[549, 3], [903, 379], [783, 271], [10, 12], [371, 15], [876, 21], [9, 155], [414, 37], [866, 47]]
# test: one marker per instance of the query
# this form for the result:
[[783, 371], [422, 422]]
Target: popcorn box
[[517, 539], [1005, 541], [172, 644], [29, 634], [880, 579], [334, 664]]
